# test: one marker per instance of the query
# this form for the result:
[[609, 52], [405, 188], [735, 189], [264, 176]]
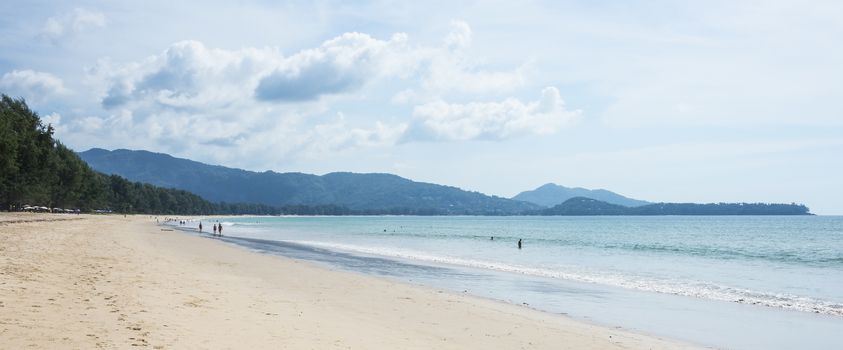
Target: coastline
[[109, 281]]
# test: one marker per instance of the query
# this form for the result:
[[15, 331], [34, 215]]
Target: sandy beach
[[85, 282]]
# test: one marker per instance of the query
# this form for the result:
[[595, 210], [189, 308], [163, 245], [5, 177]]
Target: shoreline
[[109, 281]]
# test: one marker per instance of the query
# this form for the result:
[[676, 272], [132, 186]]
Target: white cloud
[[339, 136], [53, 119], [202, 101], [89, 125], [490, 120], [224, 105], [71, 23], [188, 75], [452, 74], [460, 35], [32, 85], [452, 69], [341, 64]]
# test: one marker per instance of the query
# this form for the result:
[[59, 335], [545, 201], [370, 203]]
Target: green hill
[[373, 193]]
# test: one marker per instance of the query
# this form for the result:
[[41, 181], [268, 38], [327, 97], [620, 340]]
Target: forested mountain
[[349, 193], [551, 194], [358, 193], [585, 206], [588, 206], [36, 169]]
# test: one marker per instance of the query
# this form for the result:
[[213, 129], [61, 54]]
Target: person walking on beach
[[215, 229], [220, 229], [519, 243], [200, 226]]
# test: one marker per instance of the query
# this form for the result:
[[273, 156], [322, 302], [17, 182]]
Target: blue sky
[[664, 101]]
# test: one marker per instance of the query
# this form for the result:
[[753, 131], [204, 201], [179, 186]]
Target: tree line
[[36, 169]]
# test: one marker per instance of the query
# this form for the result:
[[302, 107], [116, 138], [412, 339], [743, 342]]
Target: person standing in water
[[200, 226], [219, 228], [215, 229], [519, 243]]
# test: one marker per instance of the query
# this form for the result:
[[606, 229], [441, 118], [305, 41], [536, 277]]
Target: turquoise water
[[701, 279]]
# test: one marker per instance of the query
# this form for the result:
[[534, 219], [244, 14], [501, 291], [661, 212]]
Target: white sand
[[114, 282]]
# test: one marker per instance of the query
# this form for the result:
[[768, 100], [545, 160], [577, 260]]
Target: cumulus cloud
[[191, 98], [453, 69], [338, 136], [32, 85], [490, 120], [448, 74], [342, 64], [71, 23], [460, 35], [225, 105], [186, 75], [189, 73], [53, 119]]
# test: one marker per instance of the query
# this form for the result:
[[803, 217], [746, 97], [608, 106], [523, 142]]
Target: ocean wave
[[776, 255], [785, 256], [238, 223], [697, 289]]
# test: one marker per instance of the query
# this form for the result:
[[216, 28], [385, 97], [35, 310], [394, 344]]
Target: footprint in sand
[[139, 342]]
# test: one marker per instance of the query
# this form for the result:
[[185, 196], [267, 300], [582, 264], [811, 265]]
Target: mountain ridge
[[347, 193], [356, 191]]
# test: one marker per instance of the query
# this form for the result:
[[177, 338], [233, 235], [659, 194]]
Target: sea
[[732, 282]]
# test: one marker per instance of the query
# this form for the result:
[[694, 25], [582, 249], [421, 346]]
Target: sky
[[697, 101]]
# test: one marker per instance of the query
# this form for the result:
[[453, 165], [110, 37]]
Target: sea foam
[[697, 289]]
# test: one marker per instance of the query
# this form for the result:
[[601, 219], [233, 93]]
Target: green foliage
[[27, 154], [35, 169], [721, 209], [585, 206]]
